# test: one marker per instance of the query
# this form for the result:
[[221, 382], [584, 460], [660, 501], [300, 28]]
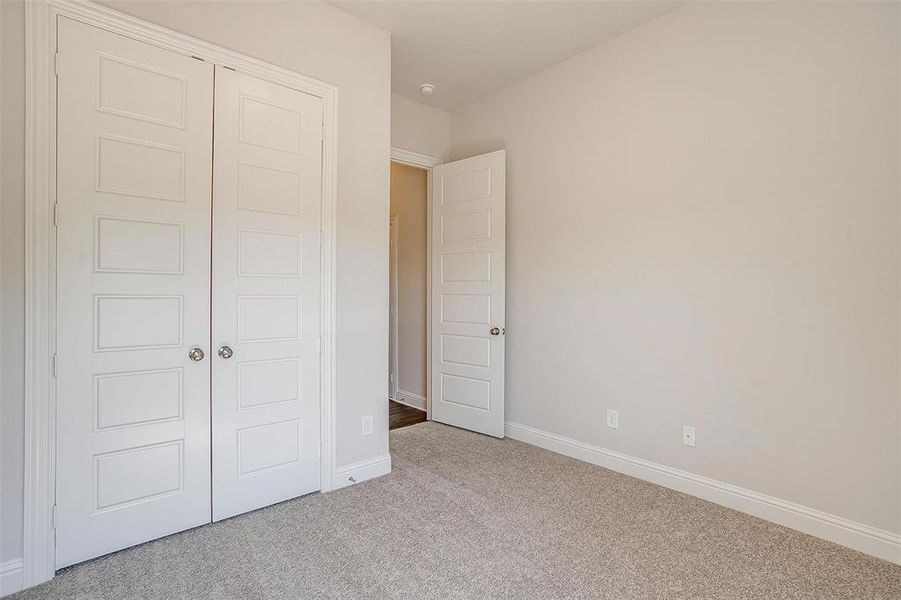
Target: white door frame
[[427, 163], [393, 329], [38, 559]]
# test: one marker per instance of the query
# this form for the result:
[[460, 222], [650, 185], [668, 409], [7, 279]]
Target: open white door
[[467, 296]]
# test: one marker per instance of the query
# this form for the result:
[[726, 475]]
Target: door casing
[[393, 329], [42, 63]]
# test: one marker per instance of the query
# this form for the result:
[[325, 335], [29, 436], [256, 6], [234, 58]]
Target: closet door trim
[[42, 64]]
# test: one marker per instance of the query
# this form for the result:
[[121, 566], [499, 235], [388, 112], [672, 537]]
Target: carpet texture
[[468, 516]]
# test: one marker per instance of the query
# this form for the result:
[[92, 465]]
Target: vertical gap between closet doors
[[212, 259]]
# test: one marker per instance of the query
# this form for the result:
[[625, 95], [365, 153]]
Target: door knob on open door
[[226, 352], [495, 331], [196, 354]]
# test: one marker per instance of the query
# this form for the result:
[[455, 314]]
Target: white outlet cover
[[367, 424], [612, 418], [688, 435]]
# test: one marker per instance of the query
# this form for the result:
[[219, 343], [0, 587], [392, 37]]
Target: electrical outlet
[[688, 435], [367, 424], [612, 418]]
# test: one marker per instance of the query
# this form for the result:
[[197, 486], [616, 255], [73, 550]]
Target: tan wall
[[408, 202], [703, 229], [12, 279], [307, 37], [419, 128]]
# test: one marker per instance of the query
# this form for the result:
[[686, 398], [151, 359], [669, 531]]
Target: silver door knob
[[495, 331], [226, 352], [196, 354]]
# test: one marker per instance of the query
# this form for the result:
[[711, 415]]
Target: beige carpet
[[467, 516]]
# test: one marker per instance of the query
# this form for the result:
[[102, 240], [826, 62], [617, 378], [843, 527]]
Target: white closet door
[[266, 293], [134, 172], [468, 293]]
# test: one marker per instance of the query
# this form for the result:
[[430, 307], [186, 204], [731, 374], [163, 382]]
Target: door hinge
[[53, 516], [56, 64], [56, 215], [53, 364]]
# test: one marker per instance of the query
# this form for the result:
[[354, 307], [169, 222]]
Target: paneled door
[[467, 296], [133, 279], [266, 293]]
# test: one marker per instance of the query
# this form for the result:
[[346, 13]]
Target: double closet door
[[188, 258]]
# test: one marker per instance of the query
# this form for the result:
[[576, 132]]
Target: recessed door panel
[[268, 318], [270, 124], [263, 382], [473, 309], [268, 446], [269, 189], [118, 486], [471, 350], [133, 271], [466, 186], [466, 267], [466, 226], [138, 398], [140, 167], [265, 293], [269, 253], [140, 91], [138, 246], [138, 322], [469, 392]]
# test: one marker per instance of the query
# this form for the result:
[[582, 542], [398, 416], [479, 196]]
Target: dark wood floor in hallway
[[401, 415]]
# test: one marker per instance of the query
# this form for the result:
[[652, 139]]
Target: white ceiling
[[471, 48]]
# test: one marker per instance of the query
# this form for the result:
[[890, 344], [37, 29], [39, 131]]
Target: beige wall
[[703, 229], [419, 128], [408, 203], [12, 281], [307, 37]]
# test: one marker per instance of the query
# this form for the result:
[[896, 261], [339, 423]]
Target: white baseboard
[[10, 576], [359, 472], [870, 540], [410, 399]]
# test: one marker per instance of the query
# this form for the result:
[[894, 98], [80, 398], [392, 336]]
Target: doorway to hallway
[[408, 296]]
